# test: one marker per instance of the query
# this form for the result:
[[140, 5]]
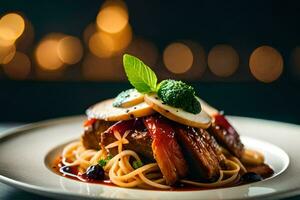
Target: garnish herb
[[137, 164], [103, 162], [174, 93], [139, 74]]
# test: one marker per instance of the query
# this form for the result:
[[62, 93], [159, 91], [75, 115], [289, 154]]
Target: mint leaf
[[139, 74]]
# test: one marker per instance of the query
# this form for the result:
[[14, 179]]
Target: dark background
[[244, 25]]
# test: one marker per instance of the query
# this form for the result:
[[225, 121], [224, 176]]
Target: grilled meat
[[92, 133], [226, 135], [176, 148], [101, 132], [138, 137], [201, 158], [212, 143], [166, 150]]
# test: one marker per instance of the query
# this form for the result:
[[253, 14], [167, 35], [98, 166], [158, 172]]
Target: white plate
[[24, 152]]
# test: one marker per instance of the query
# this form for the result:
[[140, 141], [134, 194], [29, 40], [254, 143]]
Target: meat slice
[[92, 132], [166, 150], [200, 155], [212, 143], [226, 135], [101, 132], [139, 139]]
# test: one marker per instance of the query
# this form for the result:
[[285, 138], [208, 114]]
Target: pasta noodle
[[121, 172]]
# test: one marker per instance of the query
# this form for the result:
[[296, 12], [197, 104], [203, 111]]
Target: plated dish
[[39, 144], [159, 136], [154, 141]]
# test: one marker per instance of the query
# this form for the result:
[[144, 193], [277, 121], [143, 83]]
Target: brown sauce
[[73, 173]]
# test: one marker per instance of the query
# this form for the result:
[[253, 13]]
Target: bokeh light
[[6, 43], [105, 45], [122, 39], [47, 54], [88, 32], [178, 58], [70, 50], [7, 53], [104, 69], [25, 41], [19, 67], [223, 60], [101, 44], [199, 62], [266, 64], [113, 16], [144, 50], [12, 26]]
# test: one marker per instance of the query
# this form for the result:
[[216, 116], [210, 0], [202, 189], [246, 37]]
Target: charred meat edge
[[201, 158], [226, 135], [166, 150]]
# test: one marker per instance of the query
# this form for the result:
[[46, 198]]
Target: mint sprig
[[141, 77], [171, 92]]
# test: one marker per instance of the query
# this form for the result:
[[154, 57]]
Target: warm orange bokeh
[[199, 62], [70, 50], [178, 58], [223, 60], [19, 67], [7, 53], [113, 16], [266, 64], [12, 26], [105, 45], [90, 30], [105, 69], [144, 50], [46, 52]]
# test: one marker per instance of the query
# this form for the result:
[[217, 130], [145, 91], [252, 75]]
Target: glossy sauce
[[72, 173]]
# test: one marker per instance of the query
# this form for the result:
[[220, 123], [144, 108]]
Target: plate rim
[[15, 131]]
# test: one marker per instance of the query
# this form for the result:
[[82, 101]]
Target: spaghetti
[[121, 172], [192, 144]]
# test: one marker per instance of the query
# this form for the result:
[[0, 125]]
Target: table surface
[[11, 193]]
